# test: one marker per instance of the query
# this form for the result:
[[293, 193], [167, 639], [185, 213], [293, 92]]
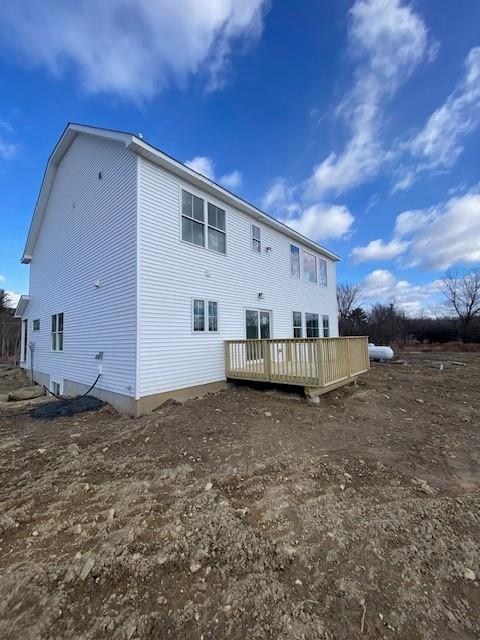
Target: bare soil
[[251, 514]]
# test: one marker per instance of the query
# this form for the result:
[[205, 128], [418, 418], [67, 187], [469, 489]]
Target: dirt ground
[[251, 513]]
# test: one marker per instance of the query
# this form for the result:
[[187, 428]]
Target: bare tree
[[10, 328], [348, 298], [462, 292]]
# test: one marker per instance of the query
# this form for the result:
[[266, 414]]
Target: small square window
[[36, 325]]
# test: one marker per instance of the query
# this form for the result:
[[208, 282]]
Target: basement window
[[57, 332]]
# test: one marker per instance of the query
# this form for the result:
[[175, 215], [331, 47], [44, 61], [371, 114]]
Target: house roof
[[21, 306], [136, 144]]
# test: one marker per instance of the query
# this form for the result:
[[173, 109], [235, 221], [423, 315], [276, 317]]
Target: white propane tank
[[376, 352]]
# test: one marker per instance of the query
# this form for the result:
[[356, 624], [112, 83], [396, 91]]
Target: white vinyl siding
[[174, 273], [88, 235]]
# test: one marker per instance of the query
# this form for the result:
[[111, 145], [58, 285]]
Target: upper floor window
[[256, 241], [194, 228], [295, 261], [322, 267], [193, 219], [57, 332], [297, 324], [36, 325], [216, 228], [205, 315], [309, 267], [326, 326], [311, 322]]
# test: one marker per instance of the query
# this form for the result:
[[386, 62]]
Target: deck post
[[320, 371], [349, 358], [227, 358], [267, 360]]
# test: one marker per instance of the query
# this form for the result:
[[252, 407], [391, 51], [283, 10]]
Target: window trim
[[56, 315], [253, 239], [58, 381], [294, 326], [328, 325], [212, 201], [206, 325]]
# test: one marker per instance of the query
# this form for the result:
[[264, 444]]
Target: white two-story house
[[141, 268]]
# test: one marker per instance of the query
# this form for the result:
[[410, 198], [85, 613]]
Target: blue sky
[[356, 122]]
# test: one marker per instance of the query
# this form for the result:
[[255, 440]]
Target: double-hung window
[[309, 267], [205, 315], [326, 326], [216, 228], [322, 267], [57, 332], [193, 219], [256, 239], [297, 324], [311, 322], [294, 261]]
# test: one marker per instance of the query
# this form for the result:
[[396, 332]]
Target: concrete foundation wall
[[128, 404]]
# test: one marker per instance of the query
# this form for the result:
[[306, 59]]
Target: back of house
[[141, 268]]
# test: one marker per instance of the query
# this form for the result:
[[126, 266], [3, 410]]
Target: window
[[57, 332], [216, 228], [212, 316], [193, 219], [202, 322], [256, 242], [326, 326], [322, 266], [294, 261], [36, 325], [56, 387], [311, 321], [297, 324], [199, 315], [309, 267]]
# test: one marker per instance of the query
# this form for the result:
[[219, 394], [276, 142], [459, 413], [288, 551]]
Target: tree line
[[10, 329], [387, 323]]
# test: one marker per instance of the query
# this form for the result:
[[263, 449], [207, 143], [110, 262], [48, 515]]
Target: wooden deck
[[318, 364]]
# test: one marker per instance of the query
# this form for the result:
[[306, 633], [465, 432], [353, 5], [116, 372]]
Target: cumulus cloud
[[379, 250], [383, 286], [206, 166], [132, 48], [440, 142], [389, 40], [322, 221], [434, 238]]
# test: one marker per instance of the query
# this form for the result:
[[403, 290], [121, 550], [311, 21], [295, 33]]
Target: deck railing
[[309, 362]]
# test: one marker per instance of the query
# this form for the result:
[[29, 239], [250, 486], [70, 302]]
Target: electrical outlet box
[[100, 368]]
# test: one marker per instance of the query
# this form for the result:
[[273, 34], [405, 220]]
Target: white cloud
[[206, 166], [390, 40], [132, 48], [232, 180], [322, 221], [443, 235], [7, 148], [13, 299], [434, 238], [2, 278], [379, 250], [383, 286], [439, 144], [280, 197]]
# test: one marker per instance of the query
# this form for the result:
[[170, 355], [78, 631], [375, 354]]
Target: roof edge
[[21, 306]]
